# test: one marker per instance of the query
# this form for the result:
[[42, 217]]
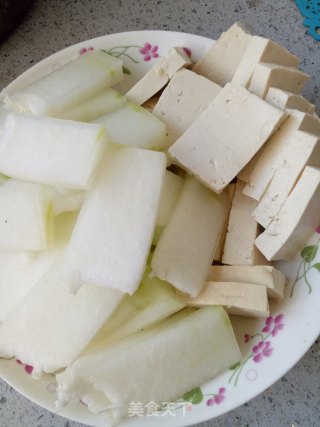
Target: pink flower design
[[27, 368], [148, 51], [187, 51], [246, 338], [274, 325], [85, 50], [217, 398], [261, 350], [318, 229]]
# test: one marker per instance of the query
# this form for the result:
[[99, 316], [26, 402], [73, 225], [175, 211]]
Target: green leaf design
[[316, 266], [194, 396], [126, 70], [309, 252], [234, 367]]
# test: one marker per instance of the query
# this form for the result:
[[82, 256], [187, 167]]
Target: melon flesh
[[112, 237], [50, 151], [51, 326], [134, 125], [94, 107], [26, 220], [68, 85], [181, 354], [188, 243], [155, 300]]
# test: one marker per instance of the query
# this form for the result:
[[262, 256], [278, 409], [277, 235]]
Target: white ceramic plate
[[270, 348]]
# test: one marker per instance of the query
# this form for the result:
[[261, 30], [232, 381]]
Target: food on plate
[[117, 221], [55, 152], [189, 241], [158, 76], [181, 351], [283, 99], [208, 149], [113, 233], [242, 230], [142, 129], [69, 85]]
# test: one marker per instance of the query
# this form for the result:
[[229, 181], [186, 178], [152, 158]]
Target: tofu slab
[[226, 136], [243, 299], [182, 101], [260, 49], [188, 243], [265, 76], [239, 247], [304, 149], [159, 75], [221, 61], [283, 99], [263, 275], [296, 221], [117, 221], [274, 152]]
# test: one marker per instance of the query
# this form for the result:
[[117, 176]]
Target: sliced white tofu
[[273, 154], [69, 85], [303, 149], [283, 99], [96, 106], [182, 101], [260, 49], [182, 352], [243, 299], [26, 218], [117, 221], [135, 126], [51, 325], [296, 221], [229, 191], [221, 61], [265, 76], [245, 173], [188, 243], [159, 75], [239, 247], [51, 151], [263, 275], [226, 136]]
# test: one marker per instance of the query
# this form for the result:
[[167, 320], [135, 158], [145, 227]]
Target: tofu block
[[262, 275], [51, 151], [135, 126], [229, 191], [283, 99], [265, 76], [221, 61], [96, 106], [239, 247], [26, 216], [126, 372], [51, 318], [303, 149], [116, 221], [273, 154], [188, 243], [69, 85], [260, 49], [182, 101], [159, 75], [296, 221], [226, 136], [242, 299]]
